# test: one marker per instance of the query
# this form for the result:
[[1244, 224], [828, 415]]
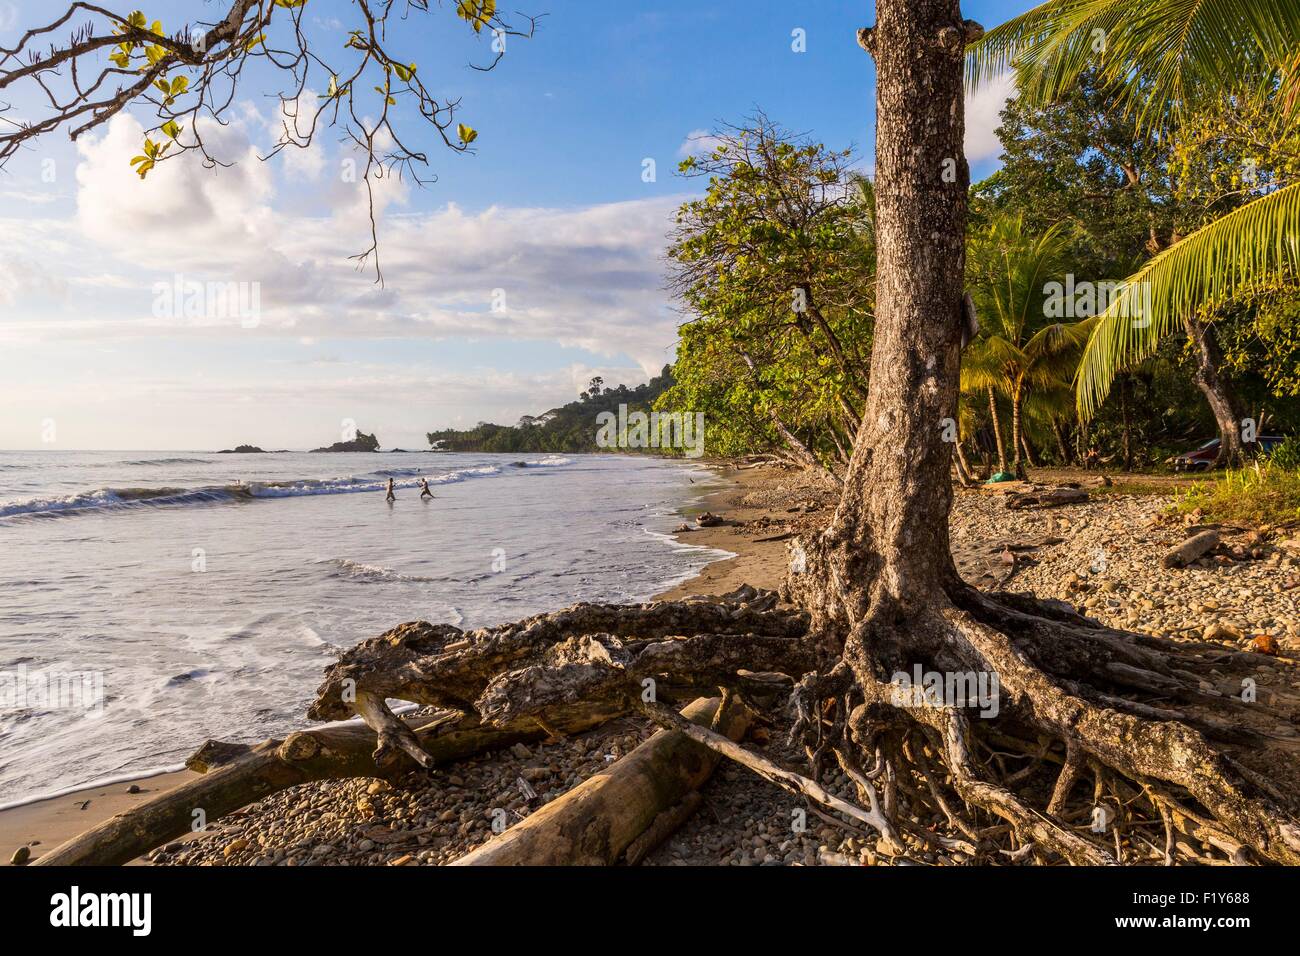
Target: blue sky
[[551, 214]]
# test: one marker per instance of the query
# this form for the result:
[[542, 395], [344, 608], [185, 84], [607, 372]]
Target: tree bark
[[801, 453], [997, 430], [237, 775], [1062, 446], [893, 513], [1126, 420], [1224, 403], [595, 822], [1030, 460], [963, 468], [1017, 436]]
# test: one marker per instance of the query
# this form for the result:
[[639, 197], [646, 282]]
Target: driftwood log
[[639, 800], [1197, 546], [1048, 498], [236, 775]]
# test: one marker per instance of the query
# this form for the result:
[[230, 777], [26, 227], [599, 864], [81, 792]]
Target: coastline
[[1050, 553], [44, 824]]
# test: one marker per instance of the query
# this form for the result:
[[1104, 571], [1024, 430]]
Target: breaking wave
[[114, 499]]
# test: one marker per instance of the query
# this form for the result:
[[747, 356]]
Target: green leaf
[[1253, 242], [1158, 51]]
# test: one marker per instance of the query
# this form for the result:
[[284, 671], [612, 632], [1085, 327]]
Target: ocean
[[152, 600]]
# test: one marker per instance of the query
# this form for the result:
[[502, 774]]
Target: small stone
[[1265, 644], [520, 751], [234, 846], [134, 788], [21, 856], [1219, 631]]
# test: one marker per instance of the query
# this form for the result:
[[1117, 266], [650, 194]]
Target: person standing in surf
[[390, 496], [424, 489]]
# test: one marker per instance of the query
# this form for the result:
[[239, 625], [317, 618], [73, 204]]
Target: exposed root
[[933, 775]]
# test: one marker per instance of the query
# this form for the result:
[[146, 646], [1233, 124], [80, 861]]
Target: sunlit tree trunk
[[888, 545], [997, 430], [1223, 401]]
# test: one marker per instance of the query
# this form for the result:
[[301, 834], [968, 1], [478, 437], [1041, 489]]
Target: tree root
[[943, 779], [934, 776]]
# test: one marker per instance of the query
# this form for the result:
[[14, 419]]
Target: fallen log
[[598, 820], [1049, 498], [1198, 545], [236, 775]]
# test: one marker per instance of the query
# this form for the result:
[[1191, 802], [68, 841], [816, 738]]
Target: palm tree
[[1165, 57], [1022, 350]]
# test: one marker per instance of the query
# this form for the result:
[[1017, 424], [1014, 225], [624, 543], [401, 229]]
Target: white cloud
[[181, 214], [590, 277], [983, 107], [698, 142]]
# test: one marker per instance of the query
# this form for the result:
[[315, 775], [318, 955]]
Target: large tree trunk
[[888, 541], [1224, 404]]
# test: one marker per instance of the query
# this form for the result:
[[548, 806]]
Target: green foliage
[[1206, 269], [1267, 492], [570, 428], [1161, 53], [777, 264], [1023, 352]]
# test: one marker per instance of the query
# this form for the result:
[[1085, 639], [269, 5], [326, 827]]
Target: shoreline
[[1052, 553], [55, 819]]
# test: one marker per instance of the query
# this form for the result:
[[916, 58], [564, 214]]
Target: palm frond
[[1044, 404], [1255, 241], [985, 364], [1155, 51]]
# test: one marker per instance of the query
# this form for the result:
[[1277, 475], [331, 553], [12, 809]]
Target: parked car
[[1204, 456]]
